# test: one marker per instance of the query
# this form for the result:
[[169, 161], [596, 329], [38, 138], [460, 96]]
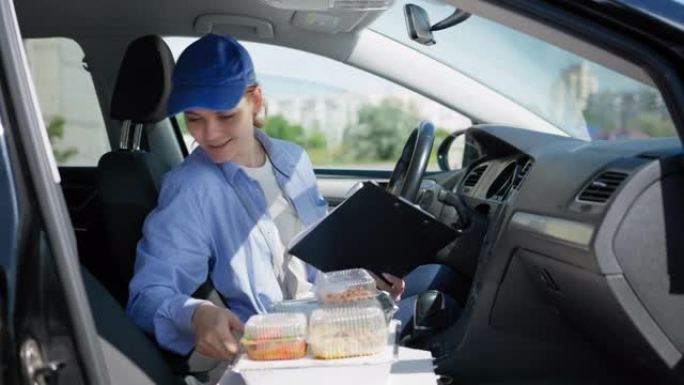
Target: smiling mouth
[[220, 145]]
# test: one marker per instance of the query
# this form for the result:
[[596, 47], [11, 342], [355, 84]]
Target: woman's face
[[224, 134]]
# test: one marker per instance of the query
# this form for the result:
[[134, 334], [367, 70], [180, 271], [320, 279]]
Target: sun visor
[[234, 25], [330, 22]]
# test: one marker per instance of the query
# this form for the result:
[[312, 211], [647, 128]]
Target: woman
[[226, 213]]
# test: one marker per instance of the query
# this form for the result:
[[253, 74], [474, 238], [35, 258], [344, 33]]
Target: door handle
[[36, 371], [47, 372]]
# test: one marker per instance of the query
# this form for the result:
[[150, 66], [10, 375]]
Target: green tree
[[652, 124], [381, 131], [316, 139], [55, 131], [440, 135], [182, 124], [279, 127]]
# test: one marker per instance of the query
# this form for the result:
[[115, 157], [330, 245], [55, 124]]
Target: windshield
[[583, 98]]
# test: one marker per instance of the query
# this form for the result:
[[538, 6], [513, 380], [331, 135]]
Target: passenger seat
[[129, 178]]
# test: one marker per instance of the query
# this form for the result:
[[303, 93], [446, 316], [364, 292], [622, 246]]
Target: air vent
[[602, 188], [521, 174], [474, 176]]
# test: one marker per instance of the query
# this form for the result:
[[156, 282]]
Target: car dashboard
[[582, 230]]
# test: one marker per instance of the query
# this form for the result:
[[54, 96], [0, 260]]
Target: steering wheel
[[408, 173]]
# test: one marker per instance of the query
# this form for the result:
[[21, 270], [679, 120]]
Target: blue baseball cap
[[212, 73]]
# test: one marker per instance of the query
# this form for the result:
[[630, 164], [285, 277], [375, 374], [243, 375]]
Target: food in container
[[275, 336], [344, 286], [347, 331]]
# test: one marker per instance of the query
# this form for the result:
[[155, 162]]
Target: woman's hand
[[395, 288], [215, 330]]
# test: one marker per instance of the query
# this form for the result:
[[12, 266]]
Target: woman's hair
[[260, 116]]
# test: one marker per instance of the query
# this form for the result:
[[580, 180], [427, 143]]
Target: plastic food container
[[364, 370], [374, 369], [307, 306], [344, 286], [347, 331], [275, 336]]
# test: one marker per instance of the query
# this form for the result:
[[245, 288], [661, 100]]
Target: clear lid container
[[347, 331], [274, 326], [344, 286], [275, 336], [305, 306]]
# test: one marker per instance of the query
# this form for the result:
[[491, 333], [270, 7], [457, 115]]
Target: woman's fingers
[[398, 285], [229, 344], [395, 287], [208, 347], [395, 281], [235, 324], [227, 332], [214, 328], [380, 283]]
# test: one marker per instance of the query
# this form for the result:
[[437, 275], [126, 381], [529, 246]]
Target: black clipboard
[[375, 230]]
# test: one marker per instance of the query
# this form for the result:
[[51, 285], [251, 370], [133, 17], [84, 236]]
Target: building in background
[[331, 110], [67, 101]]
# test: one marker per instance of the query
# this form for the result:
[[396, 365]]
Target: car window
[[68, 101], [343, 116]]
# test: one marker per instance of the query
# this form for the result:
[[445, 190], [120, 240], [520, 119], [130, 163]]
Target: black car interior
[[570, 251], [580, 274], [129, 178]]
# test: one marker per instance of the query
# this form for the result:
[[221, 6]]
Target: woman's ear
[[256, 99]]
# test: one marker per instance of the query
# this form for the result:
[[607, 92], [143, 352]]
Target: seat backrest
[[129, 179]]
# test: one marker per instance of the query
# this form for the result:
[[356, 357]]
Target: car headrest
[[144, 81]]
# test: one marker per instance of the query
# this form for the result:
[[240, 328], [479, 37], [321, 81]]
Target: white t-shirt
[[290, 270]]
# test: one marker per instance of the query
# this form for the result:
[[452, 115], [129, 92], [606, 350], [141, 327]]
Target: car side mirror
[[457, 151]]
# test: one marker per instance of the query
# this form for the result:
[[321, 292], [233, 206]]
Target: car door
[[48, 335]]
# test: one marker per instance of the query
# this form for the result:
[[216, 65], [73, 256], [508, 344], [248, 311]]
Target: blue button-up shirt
[[210, 222]]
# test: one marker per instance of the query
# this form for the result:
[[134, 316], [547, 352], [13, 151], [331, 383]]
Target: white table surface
[[413, 367]]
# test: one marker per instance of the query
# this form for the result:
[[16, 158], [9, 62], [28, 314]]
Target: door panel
[[335, 184], [35, 299], [41, 314], [9, 232]]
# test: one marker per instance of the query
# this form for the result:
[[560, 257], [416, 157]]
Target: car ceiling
[[79, 19]]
